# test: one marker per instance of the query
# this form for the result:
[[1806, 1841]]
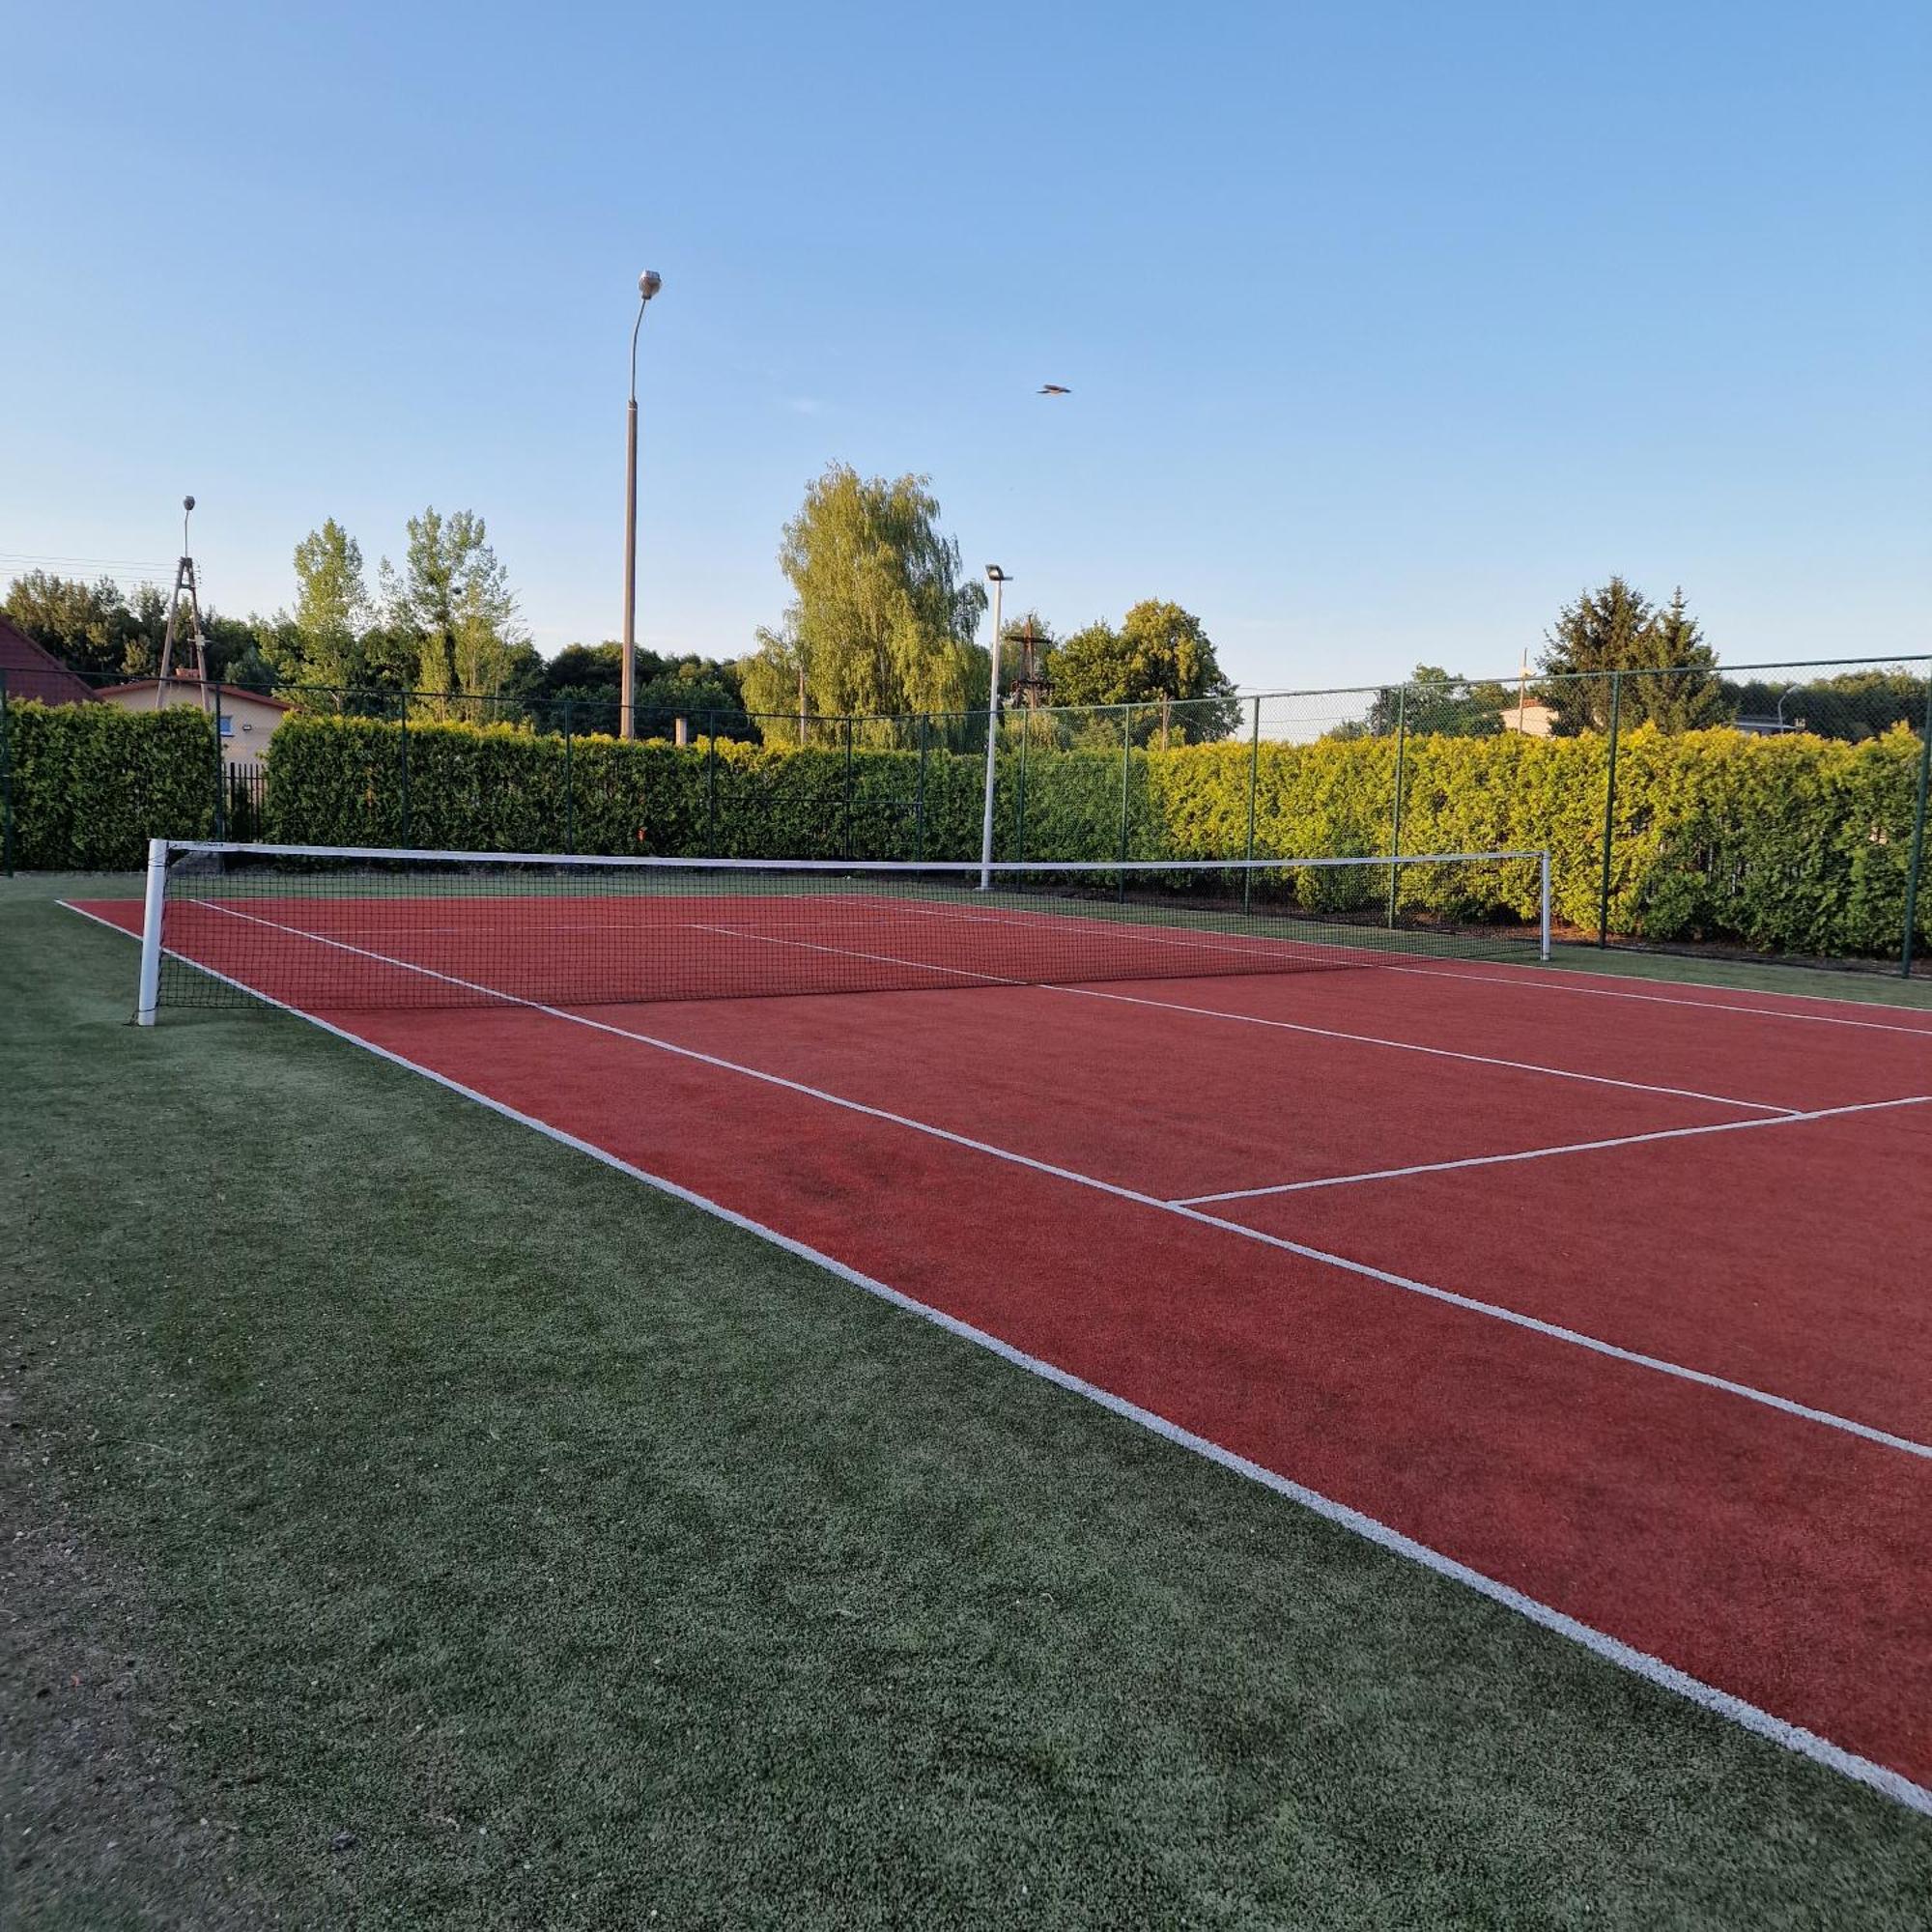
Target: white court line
[[1752, 1717], [1436, 1052], [1542, 1153], [853, 952], [1252, 1019], [1532, 979], [1495, 1312]]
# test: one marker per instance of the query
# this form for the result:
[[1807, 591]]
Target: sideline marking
[[1089, 992], [1496, 1311], [1544, 1153], [1557, 985], [1613, 1650], [1437, 1052]]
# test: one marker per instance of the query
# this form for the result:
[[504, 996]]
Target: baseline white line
[[1613, 1650], [1551, 1330], [1531, 981]]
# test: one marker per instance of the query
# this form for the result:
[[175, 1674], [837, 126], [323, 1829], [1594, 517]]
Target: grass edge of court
[[1796, 1738]]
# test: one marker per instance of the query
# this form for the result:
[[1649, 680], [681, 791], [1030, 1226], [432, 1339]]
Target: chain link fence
[[1765, 810]]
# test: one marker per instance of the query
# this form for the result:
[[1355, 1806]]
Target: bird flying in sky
[[1055, 389]]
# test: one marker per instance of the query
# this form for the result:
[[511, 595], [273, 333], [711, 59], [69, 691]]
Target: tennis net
[[320, 928]]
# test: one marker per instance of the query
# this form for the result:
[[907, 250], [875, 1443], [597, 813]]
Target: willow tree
[[882, 617]]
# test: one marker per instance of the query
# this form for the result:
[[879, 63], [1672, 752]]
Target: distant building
[[249, 718], [29, 672], [1533, 718]]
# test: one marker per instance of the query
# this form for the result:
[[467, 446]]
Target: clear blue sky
[[1388, 326]]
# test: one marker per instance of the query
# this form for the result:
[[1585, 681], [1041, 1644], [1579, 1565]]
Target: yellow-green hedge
[[92, 784], [1791, 844]]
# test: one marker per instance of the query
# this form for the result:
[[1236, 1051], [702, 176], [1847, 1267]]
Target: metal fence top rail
[[391, 854], [1514, 676]]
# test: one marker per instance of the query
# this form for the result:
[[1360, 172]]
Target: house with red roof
[[28, 670]]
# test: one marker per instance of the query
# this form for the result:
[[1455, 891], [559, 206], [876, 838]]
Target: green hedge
[[92, 784], [1789, 845]]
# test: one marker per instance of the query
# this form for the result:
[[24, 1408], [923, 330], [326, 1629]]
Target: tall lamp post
[[648, 284], [999, 580]]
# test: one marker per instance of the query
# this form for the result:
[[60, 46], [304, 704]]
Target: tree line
[[441, 631], [883, 621], [1671, 680]]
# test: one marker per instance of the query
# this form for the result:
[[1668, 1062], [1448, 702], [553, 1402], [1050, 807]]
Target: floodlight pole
[[999, 580], [648, 284]]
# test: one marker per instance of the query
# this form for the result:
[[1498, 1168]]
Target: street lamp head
[[648, 284], [995, 575], [187, 502]]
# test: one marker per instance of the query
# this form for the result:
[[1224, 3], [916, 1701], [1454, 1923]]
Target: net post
[[1253, 785], [152, 901], [1609, 810], [1542, 897], [1917, 861]]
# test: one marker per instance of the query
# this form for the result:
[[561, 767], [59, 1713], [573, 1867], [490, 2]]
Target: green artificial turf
[[413, 1524]]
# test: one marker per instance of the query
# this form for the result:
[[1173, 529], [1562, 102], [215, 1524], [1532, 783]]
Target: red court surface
[[1362, 1230]]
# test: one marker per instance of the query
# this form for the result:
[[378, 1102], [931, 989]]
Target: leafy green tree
[[243, 651], [454, 596], [1617, 628], [1436, 702], [881, 620], [1850, 706], [88, 626], [1162, 658], [702, 691], [331, 616]]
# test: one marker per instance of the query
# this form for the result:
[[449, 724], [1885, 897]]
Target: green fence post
[[1917, 833], [918, 797], [220, 770], [711, 784], [1254, 787], [6, 786], [1019, 801], [849, 853], [569, 783], [1395, 819], [403, 706], [1126, 774], [1609, 809]]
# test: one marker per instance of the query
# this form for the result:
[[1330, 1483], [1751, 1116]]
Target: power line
[[145, 565]]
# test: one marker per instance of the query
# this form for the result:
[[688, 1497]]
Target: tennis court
[[1607, 1300]]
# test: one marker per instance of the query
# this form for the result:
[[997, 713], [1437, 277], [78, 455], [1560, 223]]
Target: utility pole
[[648, 284], [186, 586], [999, 580]]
